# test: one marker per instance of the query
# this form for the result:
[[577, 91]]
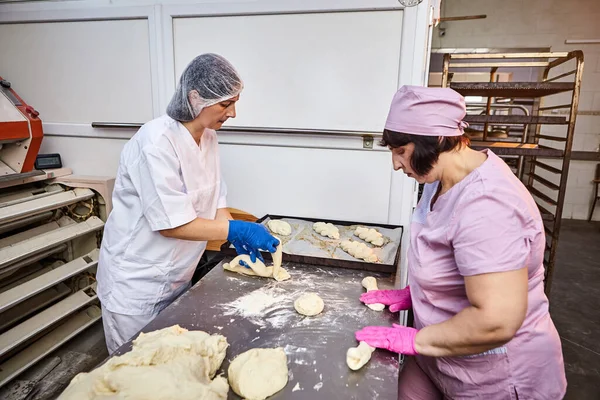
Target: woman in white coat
[[169, 200]]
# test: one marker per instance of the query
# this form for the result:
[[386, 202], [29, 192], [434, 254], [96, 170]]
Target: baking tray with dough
[[304, 245]]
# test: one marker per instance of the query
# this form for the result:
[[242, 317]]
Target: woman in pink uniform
[[482, 328]]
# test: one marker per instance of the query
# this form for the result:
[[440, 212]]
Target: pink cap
[[427, 111]]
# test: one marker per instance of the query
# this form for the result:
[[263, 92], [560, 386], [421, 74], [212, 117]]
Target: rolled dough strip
[[277, 258], [357, 357], [370, 284], [258, 268]]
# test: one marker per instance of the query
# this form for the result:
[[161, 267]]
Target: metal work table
[[316, 346]]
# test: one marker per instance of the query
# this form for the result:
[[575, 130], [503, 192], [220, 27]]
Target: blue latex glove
[[243, 249], [249, 238]]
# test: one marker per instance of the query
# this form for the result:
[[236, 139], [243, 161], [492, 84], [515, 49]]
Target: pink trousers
[[414, 384]]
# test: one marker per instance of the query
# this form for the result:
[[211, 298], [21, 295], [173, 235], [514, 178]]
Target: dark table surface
[[259, 312]]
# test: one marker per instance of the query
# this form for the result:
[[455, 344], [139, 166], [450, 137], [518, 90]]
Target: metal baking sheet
[[304, 245], [258, 312]]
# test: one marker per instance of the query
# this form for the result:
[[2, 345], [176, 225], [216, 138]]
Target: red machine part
[[13, 131]]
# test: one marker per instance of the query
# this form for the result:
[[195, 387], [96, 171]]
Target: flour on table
[[267, 307]]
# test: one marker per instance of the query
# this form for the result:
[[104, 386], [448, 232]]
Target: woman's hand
[[249, 238], [398, 339], [396, 299]]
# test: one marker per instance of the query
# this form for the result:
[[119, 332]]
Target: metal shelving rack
[[543, 158]]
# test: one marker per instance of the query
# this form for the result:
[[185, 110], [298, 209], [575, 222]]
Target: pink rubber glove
[[398, 339], [396, 299]]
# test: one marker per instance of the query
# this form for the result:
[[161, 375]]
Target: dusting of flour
[[271, 306]]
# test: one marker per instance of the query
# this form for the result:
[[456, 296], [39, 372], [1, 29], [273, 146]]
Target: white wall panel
[[86, 156], [334, 184], [318, 71], [79, 72]]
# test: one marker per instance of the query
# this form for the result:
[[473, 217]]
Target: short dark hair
[[427, 148]]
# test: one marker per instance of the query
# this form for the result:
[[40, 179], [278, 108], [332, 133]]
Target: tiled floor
[[575, 306]]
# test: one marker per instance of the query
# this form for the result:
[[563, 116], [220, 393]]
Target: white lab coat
[[164, 180]]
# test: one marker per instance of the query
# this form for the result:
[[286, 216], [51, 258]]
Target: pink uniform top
[[486, 223]]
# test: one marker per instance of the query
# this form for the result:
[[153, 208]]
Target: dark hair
[[427, 148]]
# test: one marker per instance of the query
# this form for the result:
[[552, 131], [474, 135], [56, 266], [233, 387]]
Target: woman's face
[[401, 157], [214, 116]]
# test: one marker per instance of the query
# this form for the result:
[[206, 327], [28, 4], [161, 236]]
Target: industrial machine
[[50, 230], [20, 132]]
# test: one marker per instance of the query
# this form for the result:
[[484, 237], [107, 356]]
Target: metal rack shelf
[[516, 119], [543, 158], [512, 89], [516, 149]]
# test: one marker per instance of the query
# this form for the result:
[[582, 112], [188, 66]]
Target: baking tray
[[326, 251]]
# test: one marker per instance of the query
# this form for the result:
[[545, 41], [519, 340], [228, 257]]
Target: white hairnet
[[214, 80]]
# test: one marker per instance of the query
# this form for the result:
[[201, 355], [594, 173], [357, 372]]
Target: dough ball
[[309, 304], [258, 373], [279, 227]]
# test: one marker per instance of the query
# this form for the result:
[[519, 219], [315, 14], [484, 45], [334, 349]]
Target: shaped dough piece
[[169, 363], [258, 268], [369, 235], [357, 357], [279, 227], [309, 304], [279, 274], [359, 250], [327, 229], [370, 284], [258, 373]]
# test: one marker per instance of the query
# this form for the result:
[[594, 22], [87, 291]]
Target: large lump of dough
[[258, 373], [327, 229], [259, 268], [171, 363]]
